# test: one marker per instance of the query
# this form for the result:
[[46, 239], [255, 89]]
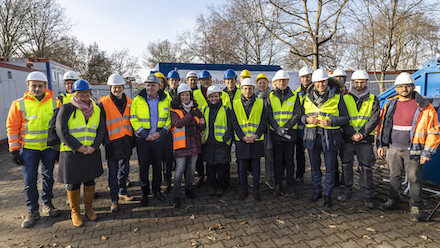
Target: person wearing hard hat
[[244, 74], [340, 75], [150, 119], [69, 78], [162, 79], [324, 115], [116, 111], [305, 78], [187, 124], [81, 128], [284, 112], [217, 149], [173, 78], [191, 80], [200, 96], [230, 92], [363, 109], [263, 91], [27, 126], [410, 130], [249, 121]]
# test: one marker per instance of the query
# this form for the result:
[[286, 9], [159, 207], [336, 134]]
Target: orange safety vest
[[117, 125], [179, 138]]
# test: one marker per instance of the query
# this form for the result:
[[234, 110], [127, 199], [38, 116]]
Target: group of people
[[178, 126]]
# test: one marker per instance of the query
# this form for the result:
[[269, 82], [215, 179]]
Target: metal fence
[[374, 86]]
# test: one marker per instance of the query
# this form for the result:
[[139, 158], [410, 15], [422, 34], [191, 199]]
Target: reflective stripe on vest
[[359, 118], [200, 99], [140, 114], [117, 125], [220, 124], [37, 116], [249, 126], [84, 132], [327, 110], [179, 137], [282, 113]]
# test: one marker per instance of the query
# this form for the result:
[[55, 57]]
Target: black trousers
[[149, 153], [217, 175], [300, 158]]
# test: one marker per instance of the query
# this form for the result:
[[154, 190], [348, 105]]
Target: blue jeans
[[31, 159], [185, 165], [117, 177], [243, 170], [315, 165]]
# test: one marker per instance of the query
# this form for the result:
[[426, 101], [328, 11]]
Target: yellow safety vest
[[200, 99], [298, 92], [220, 124], [84, 132], [140, 114], [329, 108], [249, 126], [359, 118], [227, 100], [282, 113]]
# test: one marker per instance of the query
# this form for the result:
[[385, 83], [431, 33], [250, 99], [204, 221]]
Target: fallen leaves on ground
[[104, 237], [195, 243], [192, 217], [366, 237], [243, 222], [371, 229], [329, 214], [212, 238], [332, 226], [228, 236], [215, 227], [135, 230], [282, 222], [426, 238]]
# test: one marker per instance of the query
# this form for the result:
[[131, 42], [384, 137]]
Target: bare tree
[[123, 63], [160, 51], [70, 51], [97, 66]]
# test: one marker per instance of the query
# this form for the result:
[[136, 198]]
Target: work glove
[[194, 113], [281, 131], [16, 157]]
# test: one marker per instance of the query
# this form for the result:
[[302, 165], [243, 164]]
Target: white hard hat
[[305, 71], [183, 87], [404, 78], [70, 75], [339, 72], [115, 79], [36, 76], [281, 74], [213, 89], [191, 74], [319, 75], [359, 74], [247, 82]]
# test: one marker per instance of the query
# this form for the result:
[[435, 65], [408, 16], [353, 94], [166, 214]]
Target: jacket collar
[[162, 95]]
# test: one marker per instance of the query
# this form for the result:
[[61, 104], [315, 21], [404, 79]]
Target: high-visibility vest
[[249, 126], [282, 113], [220, 124], [359, 118], [301, 96], [200, 99], [179, 137], [63, 99], [117, 125], [329, 108], [226, 100], [84, 132], [140, 114]]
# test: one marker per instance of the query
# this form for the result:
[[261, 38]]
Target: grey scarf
[[318, 99]]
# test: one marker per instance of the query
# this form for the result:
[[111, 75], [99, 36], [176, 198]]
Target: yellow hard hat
[[260, 76], [245, 73], [160, 75]]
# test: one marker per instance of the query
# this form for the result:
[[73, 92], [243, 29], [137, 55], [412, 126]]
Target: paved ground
[[214, 222]]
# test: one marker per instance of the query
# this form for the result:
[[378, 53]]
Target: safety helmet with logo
[[339, 72], [213, 89], [152, 79], [260, 76], [245, 73], [70, 75], [81, 84], [36, 76], [247, 82], [204, 74], [319, 75], [183, 87], [191, 74], [281, 74], [404, 78], [160, 75], [115, 79], [305, 71], [173, 74], [359, 74], [229, 73]]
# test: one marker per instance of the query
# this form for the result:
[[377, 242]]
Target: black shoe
[[315, 197], [220, 193], [277, 193], [292, 193], [199, 182], [328, 200], [176, 202], [257, 195], [390, 204], [299, 180], [212, 192], [368, 202], [190, 194], [168, 188], [243, 195], [144, 201], [159, 196]]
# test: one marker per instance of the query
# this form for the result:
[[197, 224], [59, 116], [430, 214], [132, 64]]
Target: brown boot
[[89, 192], [74, 202]]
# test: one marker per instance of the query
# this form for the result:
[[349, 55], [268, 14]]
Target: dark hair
[[176, 103]]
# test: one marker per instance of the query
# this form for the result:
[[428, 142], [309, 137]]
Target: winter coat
[[75, 167]]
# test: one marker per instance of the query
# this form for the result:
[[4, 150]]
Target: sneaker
[[390, 204], [50, 210], [243, 195], [368, 202], [270, 184], [343, 197], [257, 195], [415, 214], [114, 207], [30, 219], [127, 197]]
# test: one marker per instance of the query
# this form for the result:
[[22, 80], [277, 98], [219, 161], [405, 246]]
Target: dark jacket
[[331, 138], [162, 131], [192, 131], [213, 151], [369, 126], [243, 149], [283, 95], [75, 167]]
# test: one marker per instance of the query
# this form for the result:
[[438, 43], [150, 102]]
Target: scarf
[[263, 94], [247, 104], [366, 91], [319, 99], [87, 109], [187, 107]]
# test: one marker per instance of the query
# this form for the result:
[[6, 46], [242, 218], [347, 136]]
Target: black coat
[[75, 167]]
